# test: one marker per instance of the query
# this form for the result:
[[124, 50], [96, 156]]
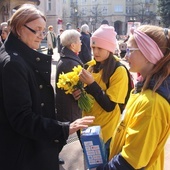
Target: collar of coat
[[40, 62], [67, 53]]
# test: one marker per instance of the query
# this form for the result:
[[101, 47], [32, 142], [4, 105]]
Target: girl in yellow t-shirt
[[140, 138], [107, 88]]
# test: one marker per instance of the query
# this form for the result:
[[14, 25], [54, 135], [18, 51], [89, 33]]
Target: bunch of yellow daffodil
[[70, 81]]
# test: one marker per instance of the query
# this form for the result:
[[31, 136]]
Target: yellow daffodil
[[91, 63], [69, 81], [77, 69]]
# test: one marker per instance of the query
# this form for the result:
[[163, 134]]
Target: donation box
[[93, 146]]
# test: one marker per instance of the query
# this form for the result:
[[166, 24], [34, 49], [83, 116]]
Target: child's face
[[100, 54], [137, 62]]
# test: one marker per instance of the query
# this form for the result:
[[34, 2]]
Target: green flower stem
[[85, 102]]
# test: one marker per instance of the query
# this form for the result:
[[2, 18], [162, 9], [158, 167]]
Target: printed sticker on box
[[93, 146]]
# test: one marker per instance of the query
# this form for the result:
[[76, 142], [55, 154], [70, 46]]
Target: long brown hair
[[108, 66]]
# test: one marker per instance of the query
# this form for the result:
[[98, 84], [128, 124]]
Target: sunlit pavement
[[72, 152]]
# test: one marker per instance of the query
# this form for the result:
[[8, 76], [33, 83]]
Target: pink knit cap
[[104, 37]]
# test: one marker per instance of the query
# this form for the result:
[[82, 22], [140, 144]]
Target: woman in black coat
[[30, 134]]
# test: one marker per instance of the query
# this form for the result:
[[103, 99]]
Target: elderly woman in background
[[2, 25], [30, 134], [4, 34], [71, 43]]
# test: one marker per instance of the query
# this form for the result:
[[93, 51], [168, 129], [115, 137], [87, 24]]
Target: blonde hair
[[49, 27], [26, 13], [161, 69]]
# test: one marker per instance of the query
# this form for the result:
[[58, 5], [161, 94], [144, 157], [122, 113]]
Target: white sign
[[132, 24]]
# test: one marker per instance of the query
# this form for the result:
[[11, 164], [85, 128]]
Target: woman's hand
[[86, 77], [76, 94], [80, 124]]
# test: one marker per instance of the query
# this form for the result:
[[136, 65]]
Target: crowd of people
[[36, 118]]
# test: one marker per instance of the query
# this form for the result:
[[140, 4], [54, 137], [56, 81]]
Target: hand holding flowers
[[86, 77], [70, 82]]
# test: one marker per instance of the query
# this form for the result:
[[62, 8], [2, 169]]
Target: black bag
[[50, 51]]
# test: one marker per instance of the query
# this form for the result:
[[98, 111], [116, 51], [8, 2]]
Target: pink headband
[[147, 46]]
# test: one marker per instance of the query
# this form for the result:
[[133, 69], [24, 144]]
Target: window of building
[[148, 1], [94, 9], [84, 1], [105, 10], [129, 10], [48, 5], [128, 0], [93, 1], [74, 1], [118, 8], [84, 11]]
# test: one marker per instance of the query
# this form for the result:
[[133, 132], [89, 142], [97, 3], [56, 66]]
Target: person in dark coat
[[71, 43], [31, 137], [2, 26], [85, 53], [59, 45], [105, 22]]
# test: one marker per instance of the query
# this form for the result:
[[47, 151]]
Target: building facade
[[117, 12], [8, 7], [67, 14], [53, 11]]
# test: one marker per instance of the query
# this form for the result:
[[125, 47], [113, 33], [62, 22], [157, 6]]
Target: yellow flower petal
[[91, 63], [68, 81]]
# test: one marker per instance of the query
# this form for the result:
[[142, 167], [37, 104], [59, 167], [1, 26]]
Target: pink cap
[[104, 37]]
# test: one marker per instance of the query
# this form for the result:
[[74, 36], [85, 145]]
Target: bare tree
[[164, 11], [143, 12], [96, 15]]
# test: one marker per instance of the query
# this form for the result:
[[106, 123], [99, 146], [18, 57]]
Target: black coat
[[67, 106], [59, 45], [28, 128], [85, 53]]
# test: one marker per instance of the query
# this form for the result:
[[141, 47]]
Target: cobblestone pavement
[[72, 152]]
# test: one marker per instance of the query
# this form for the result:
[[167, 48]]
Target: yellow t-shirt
[[117, 90], [143, 132]]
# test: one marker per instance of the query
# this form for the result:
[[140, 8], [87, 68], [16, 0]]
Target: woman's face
[[32, 33], [76, 47], [100, 54], [4, 35]]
